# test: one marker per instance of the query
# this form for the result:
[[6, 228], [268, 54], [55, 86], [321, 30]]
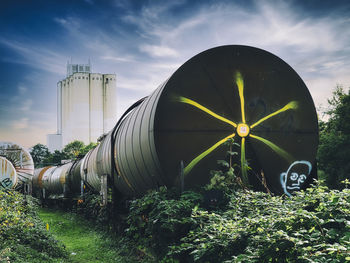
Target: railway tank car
[[233, 92], [17, 167]]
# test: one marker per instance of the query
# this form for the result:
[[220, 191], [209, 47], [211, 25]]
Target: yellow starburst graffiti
[[242, 129]]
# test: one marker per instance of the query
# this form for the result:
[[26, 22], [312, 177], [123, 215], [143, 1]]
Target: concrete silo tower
[[86, 106]]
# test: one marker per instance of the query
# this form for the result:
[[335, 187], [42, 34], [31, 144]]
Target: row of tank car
[[53, 182], [70, 179], [185, 123]]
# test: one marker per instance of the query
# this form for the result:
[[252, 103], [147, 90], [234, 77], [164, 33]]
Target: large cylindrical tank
[[97, 162], [8, 174], [229, 92], [37, 180], [20, 159], [52, 178], [88, 170], [74, 177]]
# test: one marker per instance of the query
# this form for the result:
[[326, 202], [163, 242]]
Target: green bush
[[313, 226], [160, 219], [23, 237]]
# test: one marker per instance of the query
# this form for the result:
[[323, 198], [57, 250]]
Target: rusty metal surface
[[38, 177]]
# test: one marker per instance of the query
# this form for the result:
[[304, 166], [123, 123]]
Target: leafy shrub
[[313, 226], [160, 218], [22, 234]]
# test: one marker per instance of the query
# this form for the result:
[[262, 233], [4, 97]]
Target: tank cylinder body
[[226, 93], [135, 154], [97, 162], [8, 174], [74, 178], [21, 160], [54, 179], [37, 180]]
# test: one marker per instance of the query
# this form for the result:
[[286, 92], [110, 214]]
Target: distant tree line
[[43, 157]]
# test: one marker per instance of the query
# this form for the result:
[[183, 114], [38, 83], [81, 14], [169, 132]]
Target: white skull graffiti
[[295, 176]]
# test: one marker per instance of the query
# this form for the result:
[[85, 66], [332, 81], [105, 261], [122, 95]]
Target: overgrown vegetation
[[313, 226], [23, 236], [334, 147]]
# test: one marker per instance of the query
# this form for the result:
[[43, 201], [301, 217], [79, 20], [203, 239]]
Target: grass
[[83, 241]]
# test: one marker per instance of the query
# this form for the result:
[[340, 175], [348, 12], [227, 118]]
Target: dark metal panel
[[74, 177], [213, 89]]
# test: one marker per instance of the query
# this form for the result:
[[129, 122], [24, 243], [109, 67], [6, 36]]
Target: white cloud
[[158, 51], [117, 59], [36, 56], [316, 47]]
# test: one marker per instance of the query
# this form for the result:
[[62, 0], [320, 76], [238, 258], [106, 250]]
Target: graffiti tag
[[6, 183], [295, 176]]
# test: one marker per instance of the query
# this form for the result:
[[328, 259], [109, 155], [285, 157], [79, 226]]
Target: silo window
[[78, 77], [93, 78], [83, 77]]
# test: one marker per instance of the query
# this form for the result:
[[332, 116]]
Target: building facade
[[86, 106]]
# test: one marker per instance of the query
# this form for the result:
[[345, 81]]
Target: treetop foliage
[[42, 156]]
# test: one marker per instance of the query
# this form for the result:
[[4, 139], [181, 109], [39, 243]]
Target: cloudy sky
[[144, 42]]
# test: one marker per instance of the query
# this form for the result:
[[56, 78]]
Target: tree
[[73, 149], [76, 148], [55, 158], [39, 153], [334, 147]]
